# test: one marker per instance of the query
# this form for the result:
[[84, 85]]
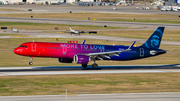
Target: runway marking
[[80, 72], [103, 69]]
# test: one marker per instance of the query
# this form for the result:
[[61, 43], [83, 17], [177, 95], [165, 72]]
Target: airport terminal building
[[41, 1]]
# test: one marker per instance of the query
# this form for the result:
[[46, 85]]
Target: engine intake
[[81, 59]]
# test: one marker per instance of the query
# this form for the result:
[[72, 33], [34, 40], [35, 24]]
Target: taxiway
[[167, 96]]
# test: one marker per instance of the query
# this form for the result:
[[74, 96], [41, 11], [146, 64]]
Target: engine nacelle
[[81, 59], [65, 60]]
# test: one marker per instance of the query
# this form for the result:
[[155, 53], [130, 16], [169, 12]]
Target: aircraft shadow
[[107, 67]]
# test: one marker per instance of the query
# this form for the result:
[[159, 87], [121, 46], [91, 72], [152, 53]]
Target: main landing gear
[[30, 63], [94, 65], [84, 65]]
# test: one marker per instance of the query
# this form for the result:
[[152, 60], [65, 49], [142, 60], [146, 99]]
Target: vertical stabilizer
[[70, 28], [154, 40]]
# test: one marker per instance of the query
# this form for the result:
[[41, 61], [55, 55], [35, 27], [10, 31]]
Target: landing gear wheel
[[95, 65], [30, 63], [84, 65]]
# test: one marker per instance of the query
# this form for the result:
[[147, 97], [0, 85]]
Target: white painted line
[[80, 72]]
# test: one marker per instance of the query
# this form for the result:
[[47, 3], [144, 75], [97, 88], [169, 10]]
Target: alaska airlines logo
[[155, 41]]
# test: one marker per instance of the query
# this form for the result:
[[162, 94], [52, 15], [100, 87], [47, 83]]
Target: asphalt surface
[[104, 69], [168, 96]]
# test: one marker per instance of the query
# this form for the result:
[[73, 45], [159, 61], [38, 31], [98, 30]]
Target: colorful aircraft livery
[[84, 53]]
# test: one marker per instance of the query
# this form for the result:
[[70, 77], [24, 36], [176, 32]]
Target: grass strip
[[148, 18], [91, 83], [48, 26]]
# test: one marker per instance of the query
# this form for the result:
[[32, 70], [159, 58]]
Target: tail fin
[[70, 27], [154, 40]]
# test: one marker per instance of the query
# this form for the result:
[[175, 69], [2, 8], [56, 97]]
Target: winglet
[[83, 41], [130, 47]]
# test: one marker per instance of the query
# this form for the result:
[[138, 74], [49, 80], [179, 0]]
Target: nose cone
[[17, 51]]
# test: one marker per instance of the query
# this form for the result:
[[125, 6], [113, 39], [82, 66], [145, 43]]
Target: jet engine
[[81, 59], [65, 60]]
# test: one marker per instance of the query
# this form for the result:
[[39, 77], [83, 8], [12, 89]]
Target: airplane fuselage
[[68, 50]]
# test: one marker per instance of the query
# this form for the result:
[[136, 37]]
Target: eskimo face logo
[[155, 41]]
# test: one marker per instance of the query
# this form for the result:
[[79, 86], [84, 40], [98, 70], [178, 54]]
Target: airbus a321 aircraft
[[84, 53]]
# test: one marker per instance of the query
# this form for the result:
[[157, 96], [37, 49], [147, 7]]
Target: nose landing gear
[[30, 63]]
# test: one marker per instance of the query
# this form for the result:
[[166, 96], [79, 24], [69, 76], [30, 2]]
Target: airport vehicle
[[84, 53], [175, 8], [74, 31]]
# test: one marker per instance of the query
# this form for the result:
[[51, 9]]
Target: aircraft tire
[[95, 65], [84, 65], [30, 63]]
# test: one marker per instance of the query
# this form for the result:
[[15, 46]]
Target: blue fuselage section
[[134, 53]]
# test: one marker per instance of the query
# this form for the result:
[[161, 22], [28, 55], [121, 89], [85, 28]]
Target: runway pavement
[[167, 96], [145, 26], [60, 70]]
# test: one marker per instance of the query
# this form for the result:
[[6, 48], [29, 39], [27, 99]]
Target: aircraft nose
[[17, 51]]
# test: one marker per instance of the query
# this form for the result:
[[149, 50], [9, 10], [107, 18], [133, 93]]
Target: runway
[[167, 96], [149, 26], [62, 70]]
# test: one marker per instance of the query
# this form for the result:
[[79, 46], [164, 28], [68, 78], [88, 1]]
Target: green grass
[[148, 18], [9, 34], [48, 26], [144, 20], [96, 83]]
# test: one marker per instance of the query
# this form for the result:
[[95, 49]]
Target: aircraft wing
[[101, 55]]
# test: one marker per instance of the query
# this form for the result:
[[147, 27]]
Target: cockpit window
[[24, 46]]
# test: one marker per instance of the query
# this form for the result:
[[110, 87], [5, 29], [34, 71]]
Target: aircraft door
[[141, 52], [64, 49], [33, 47]]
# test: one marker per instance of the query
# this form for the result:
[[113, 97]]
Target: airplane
[[14, 30], [74, 31], [84, 53]]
